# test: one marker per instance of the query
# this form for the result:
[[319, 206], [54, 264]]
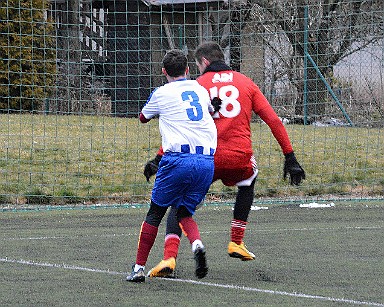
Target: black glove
[[294, 169], [216, 103], [151, 167]]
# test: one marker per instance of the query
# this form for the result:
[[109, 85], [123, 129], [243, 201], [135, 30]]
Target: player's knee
[[182, 212], [155, 214]]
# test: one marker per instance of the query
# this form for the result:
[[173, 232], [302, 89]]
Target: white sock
[[138, 267], [197, 243]]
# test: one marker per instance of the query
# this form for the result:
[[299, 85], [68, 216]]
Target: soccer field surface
[[304, 257]]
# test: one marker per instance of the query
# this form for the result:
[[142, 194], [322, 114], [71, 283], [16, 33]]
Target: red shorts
[[232, 167]]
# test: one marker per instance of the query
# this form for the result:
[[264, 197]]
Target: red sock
[[171, 246], [147, 237], [190, 229], [237, 231]]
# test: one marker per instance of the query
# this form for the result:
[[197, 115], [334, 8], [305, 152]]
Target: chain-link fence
[[75, 74]]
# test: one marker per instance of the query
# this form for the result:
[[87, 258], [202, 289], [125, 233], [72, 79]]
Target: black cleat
[[201, 263], [137, 276]]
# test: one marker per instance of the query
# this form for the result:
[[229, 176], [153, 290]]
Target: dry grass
[[59, 159]]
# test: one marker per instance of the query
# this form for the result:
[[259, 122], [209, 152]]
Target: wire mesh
[[74, 75]]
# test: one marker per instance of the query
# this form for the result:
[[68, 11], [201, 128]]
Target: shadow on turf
[[258, 275], [262, 276]]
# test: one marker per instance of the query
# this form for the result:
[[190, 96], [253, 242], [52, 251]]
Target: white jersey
[[185, 122]]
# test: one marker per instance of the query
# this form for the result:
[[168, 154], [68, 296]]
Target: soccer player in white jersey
[[189, 140]]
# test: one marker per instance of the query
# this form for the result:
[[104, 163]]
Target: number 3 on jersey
[[195, 113], [230, 106]]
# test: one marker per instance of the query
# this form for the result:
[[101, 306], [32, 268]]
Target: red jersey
[[234, 160], [240, 97]]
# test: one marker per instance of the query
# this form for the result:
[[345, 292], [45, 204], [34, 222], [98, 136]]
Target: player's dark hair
[[175, 63], [209, 50]]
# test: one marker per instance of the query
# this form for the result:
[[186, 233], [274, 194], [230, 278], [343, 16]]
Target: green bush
[[27, 69]]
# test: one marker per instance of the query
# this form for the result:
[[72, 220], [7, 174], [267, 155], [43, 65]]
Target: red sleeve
[[269, 116], [143, 119], [160, 152]]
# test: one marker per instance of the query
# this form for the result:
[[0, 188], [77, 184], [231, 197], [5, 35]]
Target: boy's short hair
[[175, 63], [209, 50]]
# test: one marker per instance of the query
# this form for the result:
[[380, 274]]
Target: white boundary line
[[58, 266], [273, 292]]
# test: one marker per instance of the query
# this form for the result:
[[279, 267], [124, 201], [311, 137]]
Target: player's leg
[[167, 265], [148, 233], [168, 191], [191, 231], [194, 195], [243, 203], [202, 176], [238, 169]]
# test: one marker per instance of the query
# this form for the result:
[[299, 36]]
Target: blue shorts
[[183, 179]]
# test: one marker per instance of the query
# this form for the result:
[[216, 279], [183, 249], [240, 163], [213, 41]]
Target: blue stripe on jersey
[[185, 148], [150, 95], [200, 150]]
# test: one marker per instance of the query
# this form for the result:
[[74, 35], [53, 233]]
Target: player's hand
[[151, 167], [293, 168], [216, 103]]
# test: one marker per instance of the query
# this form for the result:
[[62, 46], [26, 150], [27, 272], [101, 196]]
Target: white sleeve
[[151, 108]]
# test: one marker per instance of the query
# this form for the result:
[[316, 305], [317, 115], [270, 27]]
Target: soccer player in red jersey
[[235, 164]]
